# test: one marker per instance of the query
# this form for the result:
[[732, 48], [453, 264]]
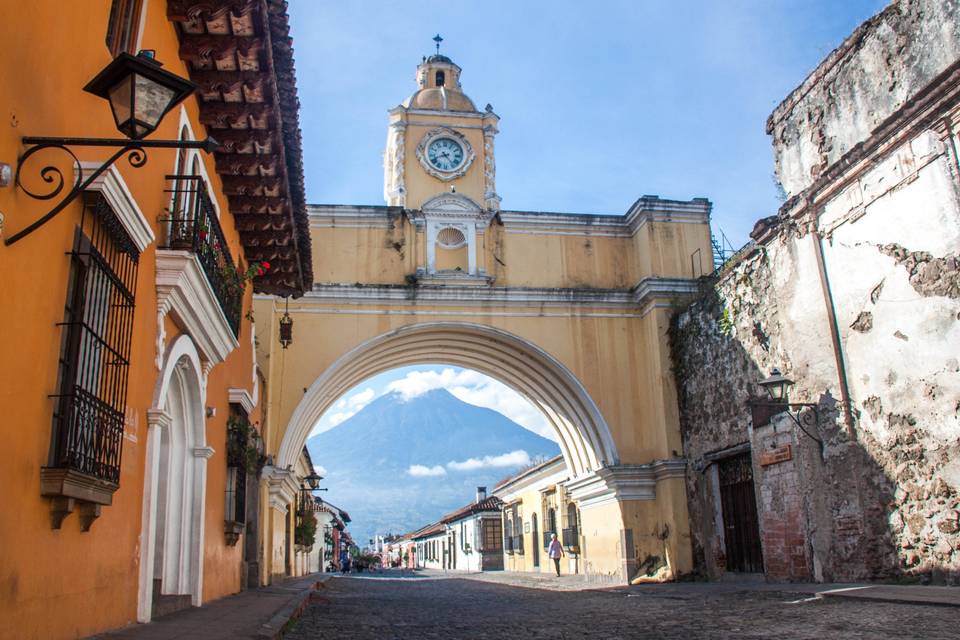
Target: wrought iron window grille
[[95, 354]]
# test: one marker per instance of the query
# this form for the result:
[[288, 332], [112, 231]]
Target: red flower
[[260, 272], [203, 236], [265, 265]]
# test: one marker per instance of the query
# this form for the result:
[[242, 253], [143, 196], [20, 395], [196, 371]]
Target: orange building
[[130, 391]]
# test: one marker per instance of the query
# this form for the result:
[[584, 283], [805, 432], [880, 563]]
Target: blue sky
[[601, 102]]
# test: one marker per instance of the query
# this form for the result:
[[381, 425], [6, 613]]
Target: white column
[[472, 248]]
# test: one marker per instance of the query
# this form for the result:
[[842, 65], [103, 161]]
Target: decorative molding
[[183, 290], [203, 452], [68, 483], [243, 398], [645, 210], [490, 197], [158, 418], [282, 486], [445, 132], [624, 482], [394, 184], [115, 191], [648, 290]]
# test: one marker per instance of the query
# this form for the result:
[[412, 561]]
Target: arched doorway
[[171, 570]]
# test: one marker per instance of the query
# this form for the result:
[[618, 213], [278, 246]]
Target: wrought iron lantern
[[313, 480], [777, 386], [139, 91], [286, 327], [806, 415]]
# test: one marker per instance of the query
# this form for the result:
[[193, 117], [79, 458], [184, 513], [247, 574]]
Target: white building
[[474, 535], [431, 544]]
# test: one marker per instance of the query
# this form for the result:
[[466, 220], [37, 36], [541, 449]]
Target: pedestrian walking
[[555, 552]]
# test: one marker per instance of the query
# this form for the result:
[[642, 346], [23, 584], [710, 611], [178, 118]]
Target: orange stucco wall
[[65, 583]]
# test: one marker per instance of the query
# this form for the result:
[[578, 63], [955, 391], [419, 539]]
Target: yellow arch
[[585, 439]]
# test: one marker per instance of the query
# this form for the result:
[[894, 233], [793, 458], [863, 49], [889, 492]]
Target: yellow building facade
[[571, 310], [128, 373]]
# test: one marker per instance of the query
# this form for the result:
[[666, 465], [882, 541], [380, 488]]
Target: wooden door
[[740, 525]]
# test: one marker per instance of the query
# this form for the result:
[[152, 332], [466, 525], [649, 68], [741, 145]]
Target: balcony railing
[[571, 538], [193, 225]]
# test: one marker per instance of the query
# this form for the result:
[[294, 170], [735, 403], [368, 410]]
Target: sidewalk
[[903, 594], [256, 613]]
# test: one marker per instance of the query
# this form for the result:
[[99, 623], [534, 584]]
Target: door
[[536, 541], [740, 527]]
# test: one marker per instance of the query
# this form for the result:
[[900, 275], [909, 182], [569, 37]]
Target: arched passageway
[[584, 437]]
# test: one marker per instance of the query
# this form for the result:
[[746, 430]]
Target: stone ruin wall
[[872, 74], [886, 501]]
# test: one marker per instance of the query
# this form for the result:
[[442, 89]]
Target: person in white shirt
[[555, 552]]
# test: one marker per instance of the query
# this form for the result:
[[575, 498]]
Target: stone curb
[[274, 628], [901, 596]]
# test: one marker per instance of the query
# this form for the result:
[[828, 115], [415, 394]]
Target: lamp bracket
[[789, 408], [135, 150]]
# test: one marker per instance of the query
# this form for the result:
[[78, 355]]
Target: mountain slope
[[368, 459]]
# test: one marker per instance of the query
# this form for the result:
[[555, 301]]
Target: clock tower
[[439, 143]]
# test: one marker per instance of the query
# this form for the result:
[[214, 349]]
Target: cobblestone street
[[468, 608]]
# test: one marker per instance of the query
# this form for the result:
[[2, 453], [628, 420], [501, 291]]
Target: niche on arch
[[452, 250]]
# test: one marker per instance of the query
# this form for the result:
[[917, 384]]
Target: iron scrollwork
[[134, 150]]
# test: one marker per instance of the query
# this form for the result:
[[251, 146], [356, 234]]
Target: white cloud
[[422, 471], [347, 407], [320, 470], [477, 389], [516, 458]]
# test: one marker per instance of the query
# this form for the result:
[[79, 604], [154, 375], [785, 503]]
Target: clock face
[[445, 154]]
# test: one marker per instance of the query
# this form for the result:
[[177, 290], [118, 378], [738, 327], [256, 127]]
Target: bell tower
[[439, 143]]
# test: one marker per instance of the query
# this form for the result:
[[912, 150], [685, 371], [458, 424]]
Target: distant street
[[493, 607]]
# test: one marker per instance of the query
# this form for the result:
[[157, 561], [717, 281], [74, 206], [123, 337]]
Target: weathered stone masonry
[[866, 148]]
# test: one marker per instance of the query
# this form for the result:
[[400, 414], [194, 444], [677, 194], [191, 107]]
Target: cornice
[[183, 290], [243, 398], [624, 482], [115, 191], [645, 210], [282, 486], [454, 294]]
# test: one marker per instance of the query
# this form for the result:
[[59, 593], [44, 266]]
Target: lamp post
[[777, 387], [286, 326], [140, 94]]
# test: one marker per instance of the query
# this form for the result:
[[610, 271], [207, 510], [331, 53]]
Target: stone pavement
[[492, 606], [256, 613]]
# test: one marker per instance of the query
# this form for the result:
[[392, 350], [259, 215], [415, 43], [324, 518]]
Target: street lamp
[[313, 479], [777, 386], [286, 326], [140, 93]]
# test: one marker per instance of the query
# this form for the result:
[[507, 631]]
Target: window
[[440, 77], [124, 26], [95, 351], [492, 533]]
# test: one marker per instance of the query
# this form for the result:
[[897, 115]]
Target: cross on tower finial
[[438, 40]]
